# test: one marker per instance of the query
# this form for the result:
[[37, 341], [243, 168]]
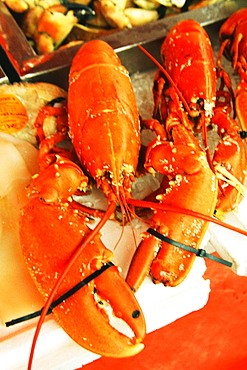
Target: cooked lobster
[[185, 94], [233, 38], [189, 61], [103, 122], [184, 163]]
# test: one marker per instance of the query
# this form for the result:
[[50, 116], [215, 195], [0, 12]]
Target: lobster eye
[[200, 103], [136, 314], [56, 101]]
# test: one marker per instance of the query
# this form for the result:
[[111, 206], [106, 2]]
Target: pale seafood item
[[19, 107], [18, 294], [48, 28]]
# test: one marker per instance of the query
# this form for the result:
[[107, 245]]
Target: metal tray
[[53, 67]]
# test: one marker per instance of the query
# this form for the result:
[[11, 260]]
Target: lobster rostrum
[[188, 103], [108, 112]]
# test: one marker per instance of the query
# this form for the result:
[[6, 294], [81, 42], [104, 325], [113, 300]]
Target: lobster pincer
[[61, 251], [84, 315], [191, 185]]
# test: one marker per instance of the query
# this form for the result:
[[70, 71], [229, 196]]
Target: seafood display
[[91, 138], [50, 24]]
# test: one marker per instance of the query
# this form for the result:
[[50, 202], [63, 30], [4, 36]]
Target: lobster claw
[[89, 324], [184, 164], [86, 315], [126, 308], [58, 182]]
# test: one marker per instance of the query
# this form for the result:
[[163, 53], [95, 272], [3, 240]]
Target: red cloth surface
[[213, 338]]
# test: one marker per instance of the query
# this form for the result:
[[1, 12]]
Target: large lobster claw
[[49, 236], [184, 164]]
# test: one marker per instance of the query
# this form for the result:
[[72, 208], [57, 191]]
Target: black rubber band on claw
[[65, 296], [198, 252], [243, 134], [202, 253]]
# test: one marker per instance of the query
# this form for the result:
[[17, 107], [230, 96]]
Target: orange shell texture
[[103, 115], [49, 236]]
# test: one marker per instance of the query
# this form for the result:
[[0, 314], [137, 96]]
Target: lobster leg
[[232, 35], [186, 165]]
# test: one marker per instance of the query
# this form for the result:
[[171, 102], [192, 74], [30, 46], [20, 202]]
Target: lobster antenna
[[167, 207], [129, 215], [75, 255], [206, 144], [189, 111], [122, 226]]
